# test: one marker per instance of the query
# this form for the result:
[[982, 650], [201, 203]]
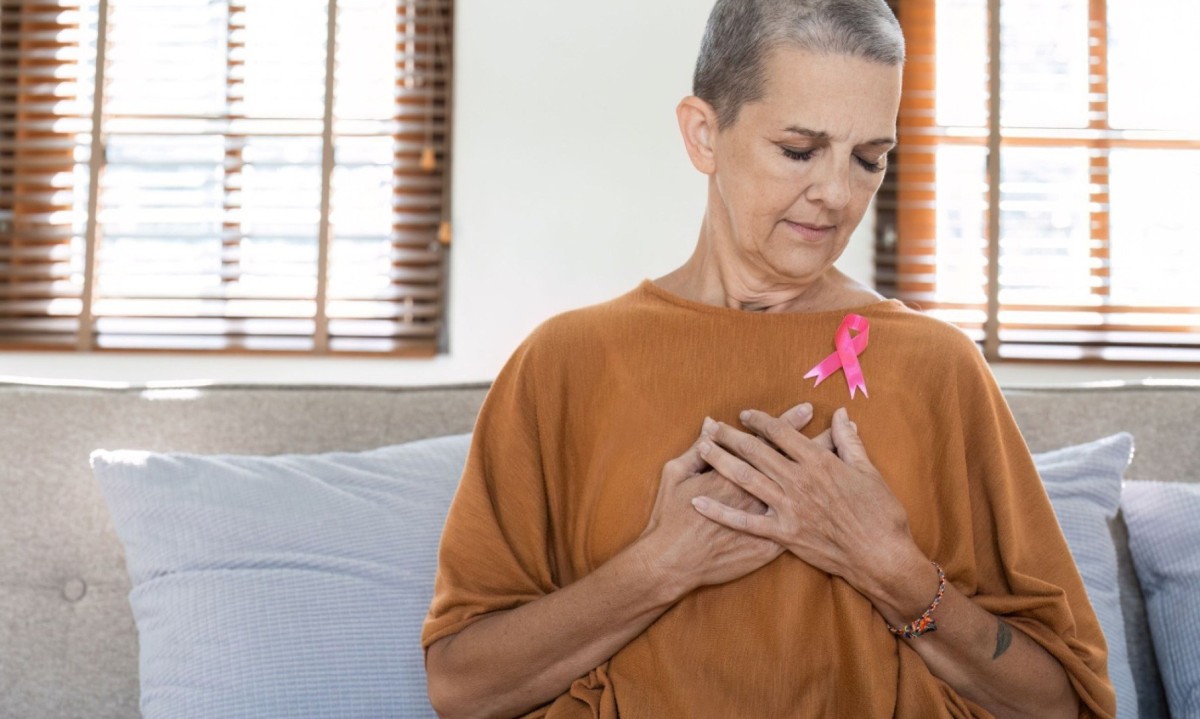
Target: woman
[[786, 561]]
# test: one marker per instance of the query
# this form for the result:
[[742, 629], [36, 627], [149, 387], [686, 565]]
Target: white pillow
[[1164, 539], [1084, 484], [289, 585]]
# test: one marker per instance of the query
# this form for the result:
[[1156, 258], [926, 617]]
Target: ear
[[698, 125]]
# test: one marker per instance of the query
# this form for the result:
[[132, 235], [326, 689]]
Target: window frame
[[906, 226], [18, 258]]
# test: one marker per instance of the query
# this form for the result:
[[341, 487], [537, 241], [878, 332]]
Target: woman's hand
[[833, 511], [687, 550], [836, 513]]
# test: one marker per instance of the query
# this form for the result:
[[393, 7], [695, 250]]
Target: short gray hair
[[730, 71]]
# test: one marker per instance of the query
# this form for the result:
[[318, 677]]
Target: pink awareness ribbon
[[846, 356]]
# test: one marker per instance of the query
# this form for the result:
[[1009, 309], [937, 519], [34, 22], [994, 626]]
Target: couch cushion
[[287, 585], [1164, 537], [67, 655], [1162, 415], [1084, 484]]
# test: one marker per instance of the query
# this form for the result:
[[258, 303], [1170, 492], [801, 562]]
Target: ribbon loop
[[846, 355]]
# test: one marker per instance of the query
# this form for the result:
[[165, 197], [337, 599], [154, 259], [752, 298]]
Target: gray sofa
[[68, 645]]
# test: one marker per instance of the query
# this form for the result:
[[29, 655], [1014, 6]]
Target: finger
[[741, 473], [687, 464], [760, 525], [799, 416], [824, 440], [782, 433], [845, 438], [755, 451]]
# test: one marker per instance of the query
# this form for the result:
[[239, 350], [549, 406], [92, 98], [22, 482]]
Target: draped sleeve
[[1024, 572], [494, 552]]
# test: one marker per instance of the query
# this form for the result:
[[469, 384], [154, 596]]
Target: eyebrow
[[821, 136]]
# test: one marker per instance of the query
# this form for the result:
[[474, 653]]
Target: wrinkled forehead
[[846, 98]]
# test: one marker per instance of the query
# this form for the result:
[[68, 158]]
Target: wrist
[[903, 590], [662, 581]]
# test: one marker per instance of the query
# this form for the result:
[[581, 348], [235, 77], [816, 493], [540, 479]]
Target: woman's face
[[795, 173]]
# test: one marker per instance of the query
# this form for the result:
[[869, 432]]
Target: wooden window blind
[[1041, 194], [224, 175]]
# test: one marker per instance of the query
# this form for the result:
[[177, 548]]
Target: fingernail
[[745, 415], [710, 427], [705, 448], [700, 502], [799, 413], [854, 427], [840, 414]]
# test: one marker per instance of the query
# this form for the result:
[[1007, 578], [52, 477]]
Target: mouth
[[811, 232]]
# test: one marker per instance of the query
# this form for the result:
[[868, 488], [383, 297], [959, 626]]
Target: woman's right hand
[[511, 661], [687, 550]]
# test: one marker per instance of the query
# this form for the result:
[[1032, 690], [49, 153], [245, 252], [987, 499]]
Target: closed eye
[[806, 155], [879, 166]]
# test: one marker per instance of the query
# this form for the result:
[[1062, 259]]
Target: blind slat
[[209, 211], [1088, 268]]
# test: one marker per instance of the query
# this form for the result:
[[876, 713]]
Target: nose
[[831, 182]]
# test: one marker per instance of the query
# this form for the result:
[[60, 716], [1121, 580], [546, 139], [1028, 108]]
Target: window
[[1048, 209], [250, 176]]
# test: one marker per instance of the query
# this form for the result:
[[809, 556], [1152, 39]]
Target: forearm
[[982, 657], [511, 662]]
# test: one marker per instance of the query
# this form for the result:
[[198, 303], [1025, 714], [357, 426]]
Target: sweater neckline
[[648, 287]]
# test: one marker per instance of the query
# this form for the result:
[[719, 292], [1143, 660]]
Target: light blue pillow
[[282, 586], [1084, 484], [1164, 539]]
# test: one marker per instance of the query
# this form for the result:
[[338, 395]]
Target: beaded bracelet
[[925, 623]]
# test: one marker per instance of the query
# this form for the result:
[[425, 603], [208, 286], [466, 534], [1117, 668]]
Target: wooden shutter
[[1044, 208], [47, 60], [270, 176], [390, 205]]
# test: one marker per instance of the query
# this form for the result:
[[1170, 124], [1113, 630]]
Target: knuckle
[[827, 462], [776, 430], [743, 475], [798, 507], [749, 448]]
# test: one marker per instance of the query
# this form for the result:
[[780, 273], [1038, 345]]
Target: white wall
[[570, 185], [571, 182]]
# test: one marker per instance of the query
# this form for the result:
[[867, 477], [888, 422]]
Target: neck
[[715, 274]]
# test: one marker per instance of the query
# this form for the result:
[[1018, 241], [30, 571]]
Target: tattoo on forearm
[[1003, 638]]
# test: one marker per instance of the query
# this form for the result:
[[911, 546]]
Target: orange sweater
[[565, 464]]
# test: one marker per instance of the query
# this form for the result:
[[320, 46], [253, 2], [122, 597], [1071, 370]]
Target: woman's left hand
[[833, 511]]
